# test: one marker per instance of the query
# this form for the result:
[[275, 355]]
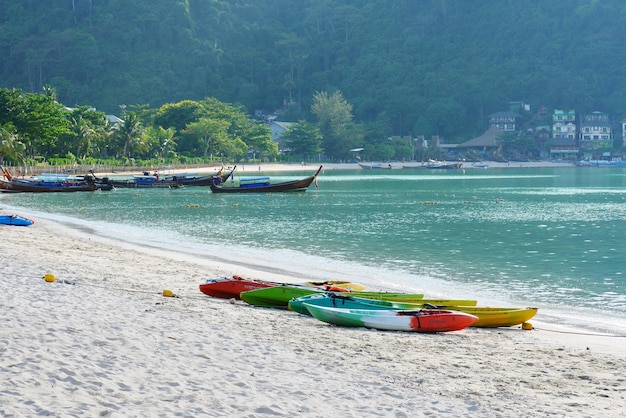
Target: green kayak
[[279, 296]]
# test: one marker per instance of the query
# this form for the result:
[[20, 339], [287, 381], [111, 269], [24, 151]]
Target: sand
[[102, 340]]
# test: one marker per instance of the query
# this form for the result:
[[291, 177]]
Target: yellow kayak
[[496, 317], [487, 317], [330, 284]]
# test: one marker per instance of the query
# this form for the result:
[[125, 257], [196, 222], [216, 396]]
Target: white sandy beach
[[111, 345]]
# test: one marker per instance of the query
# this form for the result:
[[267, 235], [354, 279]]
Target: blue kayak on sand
[[15, 220]]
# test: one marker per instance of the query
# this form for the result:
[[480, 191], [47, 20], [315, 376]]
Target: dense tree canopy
[[34, 126], [431, 67], [304, 139], [334, 119]]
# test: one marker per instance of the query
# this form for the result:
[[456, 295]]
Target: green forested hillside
[[408, 67]]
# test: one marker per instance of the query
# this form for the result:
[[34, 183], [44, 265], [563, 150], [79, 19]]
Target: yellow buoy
[[49, 278], [527, 326], [168, 293]]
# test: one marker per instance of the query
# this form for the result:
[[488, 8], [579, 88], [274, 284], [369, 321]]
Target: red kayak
[[231, 287]]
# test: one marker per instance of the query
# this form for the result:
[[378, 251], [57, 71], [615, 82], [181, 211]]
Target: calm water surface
[[551, 238]]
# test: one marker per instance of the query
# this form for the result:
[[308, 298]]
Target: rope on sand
[[581, 333], [49, 278]]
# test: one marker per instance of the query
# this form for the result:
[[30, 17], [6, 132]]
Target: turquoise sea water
[[546, 237]]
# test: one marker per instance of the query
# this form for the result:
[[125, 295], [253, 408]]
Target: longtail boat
[[262, 184], [46, 183], [145, 181], [193, 179], [422, 320]]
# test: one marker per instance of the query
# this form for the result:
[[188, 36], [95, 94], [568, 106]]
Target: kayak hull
[[15, 220], [423, 321], [227, 287], [354, 302]]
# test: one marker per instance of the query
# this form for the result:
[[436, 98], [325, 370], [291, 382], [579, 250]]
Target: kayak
[[231, 287], [279, 296], [497, 317], [487, 317], [351, 301], [422, 320], [336, 285], [15, 220]]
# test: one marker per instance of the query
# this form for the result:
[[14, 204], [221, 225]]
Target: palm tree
[[84, 134], [162, 140], [11, 147], [129, 132]]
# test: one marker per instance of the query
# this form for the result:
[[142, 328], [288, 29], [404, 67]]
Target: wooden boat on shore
[[443, 165], [340, 300], [375, 166], [279, 296], [187, 179], [487, 317], [145, 181], [46, 183], [35, 186], [422, 320], [262, 184], [194, 179], [15, 220], [101, 183]]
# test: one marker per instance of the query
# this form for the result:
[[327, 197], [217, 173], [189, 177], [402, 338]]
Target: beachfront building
[[486, 146], [596, 132], [564, 144], [564, 124], [278, 129], [505, 121]]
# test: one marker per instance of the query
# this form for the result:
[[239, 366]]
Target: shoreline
[[305, 168], [110, 344], [255, 168], [262, 167]]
